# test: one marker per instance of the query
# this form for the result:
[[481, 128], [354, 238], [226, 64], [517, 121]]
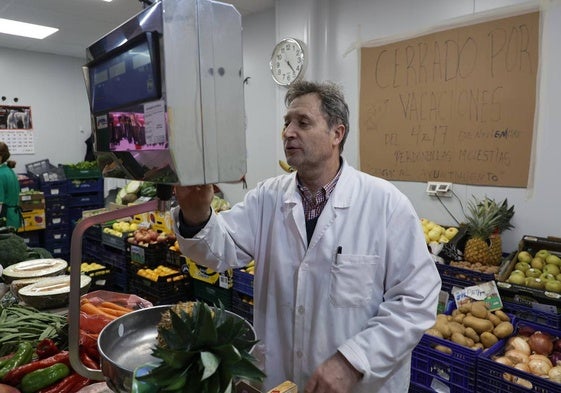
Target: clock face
[[288, 61]]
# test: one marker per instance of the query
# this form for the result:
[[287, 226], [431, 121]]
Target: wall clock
[[288, 61]]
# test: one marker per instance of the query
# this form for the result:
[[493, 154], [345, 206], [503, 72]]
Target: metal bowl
[[127, 342]]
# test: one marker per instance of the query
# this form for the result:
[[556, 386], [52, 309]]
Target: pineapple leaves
[[203, 349]]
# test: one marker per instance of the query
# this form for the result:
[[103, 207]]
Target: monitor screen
[[129, 76]]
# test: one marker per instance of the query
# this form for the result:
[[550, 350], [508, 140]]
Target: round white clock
[[288, 61]]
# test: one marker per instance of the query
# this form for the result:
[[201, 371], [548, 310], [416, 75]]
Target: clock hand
[[290, 65]]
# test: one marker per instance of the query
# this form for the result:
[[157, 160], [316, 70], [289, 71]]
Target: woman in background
[[10, 214]]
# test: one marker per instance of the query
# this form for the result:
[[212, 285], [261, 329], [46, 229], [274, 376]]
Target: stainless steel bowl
[[127, 342]]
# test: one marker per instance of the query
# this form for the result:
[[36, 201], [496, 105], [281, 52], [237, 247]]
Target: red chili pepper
[[67, 384], [46, 348], [83, 382], [88, 361], [13, 377]]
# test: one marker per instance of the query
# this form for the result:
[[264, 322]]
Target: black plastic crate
[[33, 238], [212, 294], [43, 172], [174, 258], [163, 288], [115, 257], [150, 255], [93, 233]]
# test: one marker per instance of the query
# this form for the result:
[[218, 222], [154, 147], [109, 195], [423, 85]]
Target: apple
[[524, 256], [450, 232], [553, 259], [523, 266], [517, 277], [546, 277], [537, 263], [553, 286], [542, 254], [551, 269], [534, 282], [533, 272]]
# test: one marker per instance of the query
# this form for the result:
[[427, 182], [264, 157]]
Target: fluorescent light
[[13, 27]]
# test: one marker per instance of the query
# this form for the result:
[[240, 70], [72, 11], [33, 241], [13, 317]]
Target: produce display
[[477, 267], [147, 236], [540, 271], [472, 325], [134, 190], [160, 273], [437, 233], [535, 352]]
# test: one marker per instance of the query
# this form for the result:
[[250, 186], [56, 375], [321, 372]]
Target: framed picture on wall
[[15, 117]]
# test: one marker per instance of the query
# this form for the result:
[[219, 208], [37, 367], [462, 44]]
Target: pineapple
[[202, 350], [485, 223]]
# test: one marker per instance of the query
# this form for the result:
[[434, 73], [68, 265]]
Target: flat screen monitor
[[128, 75]]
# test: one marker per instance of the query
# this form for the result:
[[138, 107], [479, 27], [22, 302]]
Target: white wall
[[54, 88], [333, 31]]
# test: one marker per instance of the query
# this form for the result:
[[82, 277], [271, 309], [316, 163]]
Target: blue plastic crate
[[490, 374], [90, 199], [57, 203], [78, 186], [57, 234], [243, 282], [241, 305], [53, 188], [532, 314], [114, 257], [57, 219], [59, 249], [33, 238]]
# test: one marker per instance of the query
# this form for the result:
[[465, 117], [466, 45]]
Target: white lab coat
[[371, 302]]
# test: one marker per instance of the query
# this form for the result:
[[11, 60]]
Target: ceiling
[[82, 22]]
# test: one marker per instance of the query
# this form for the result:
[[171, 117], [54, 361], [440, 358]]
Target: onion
[[525, 330], [504, 360], [517, 356], [540, 343], [539, 365], [555, 374], [555, 358], [557, 345], [522, 367], [518, 343]]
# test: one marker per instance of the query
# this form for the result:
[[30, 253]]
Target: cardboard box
[[32, 201], [33, 220]]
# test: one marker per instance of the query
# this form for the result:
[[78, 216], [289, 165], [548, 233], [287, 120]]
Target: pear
[[524, 256], [554, 259]]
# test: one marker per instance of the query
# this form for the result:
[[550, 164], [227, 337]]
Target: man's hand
[[194, 202], [335, 375]]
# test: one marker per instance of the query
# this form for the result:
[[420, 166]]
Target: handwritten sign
[[455, 106]]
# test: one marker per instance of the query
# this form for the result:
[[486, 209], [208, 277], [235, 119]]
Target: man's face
[[308, 141]]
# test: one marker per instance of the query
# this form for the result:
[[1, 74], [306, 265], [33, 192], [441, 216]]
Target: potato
[[469, 332], [459, 338], [443, 348], [488, 339], [443, 327], [493, 318], [456, 327], [434, 332], [477, 346], [502, 315], [459, 317], [503, 329], [480, 325], [465, 308], [479, 309]]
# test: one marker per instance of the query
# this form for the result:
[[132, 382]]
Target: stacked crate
[[51, 181], [242, 294], [85, 189], [32, 204]]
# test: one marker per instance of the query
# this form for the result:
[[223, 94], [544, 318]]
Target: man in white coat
[[344, 284]]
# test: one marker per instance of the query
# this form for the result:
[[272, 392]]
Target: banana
[[284, 165]]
